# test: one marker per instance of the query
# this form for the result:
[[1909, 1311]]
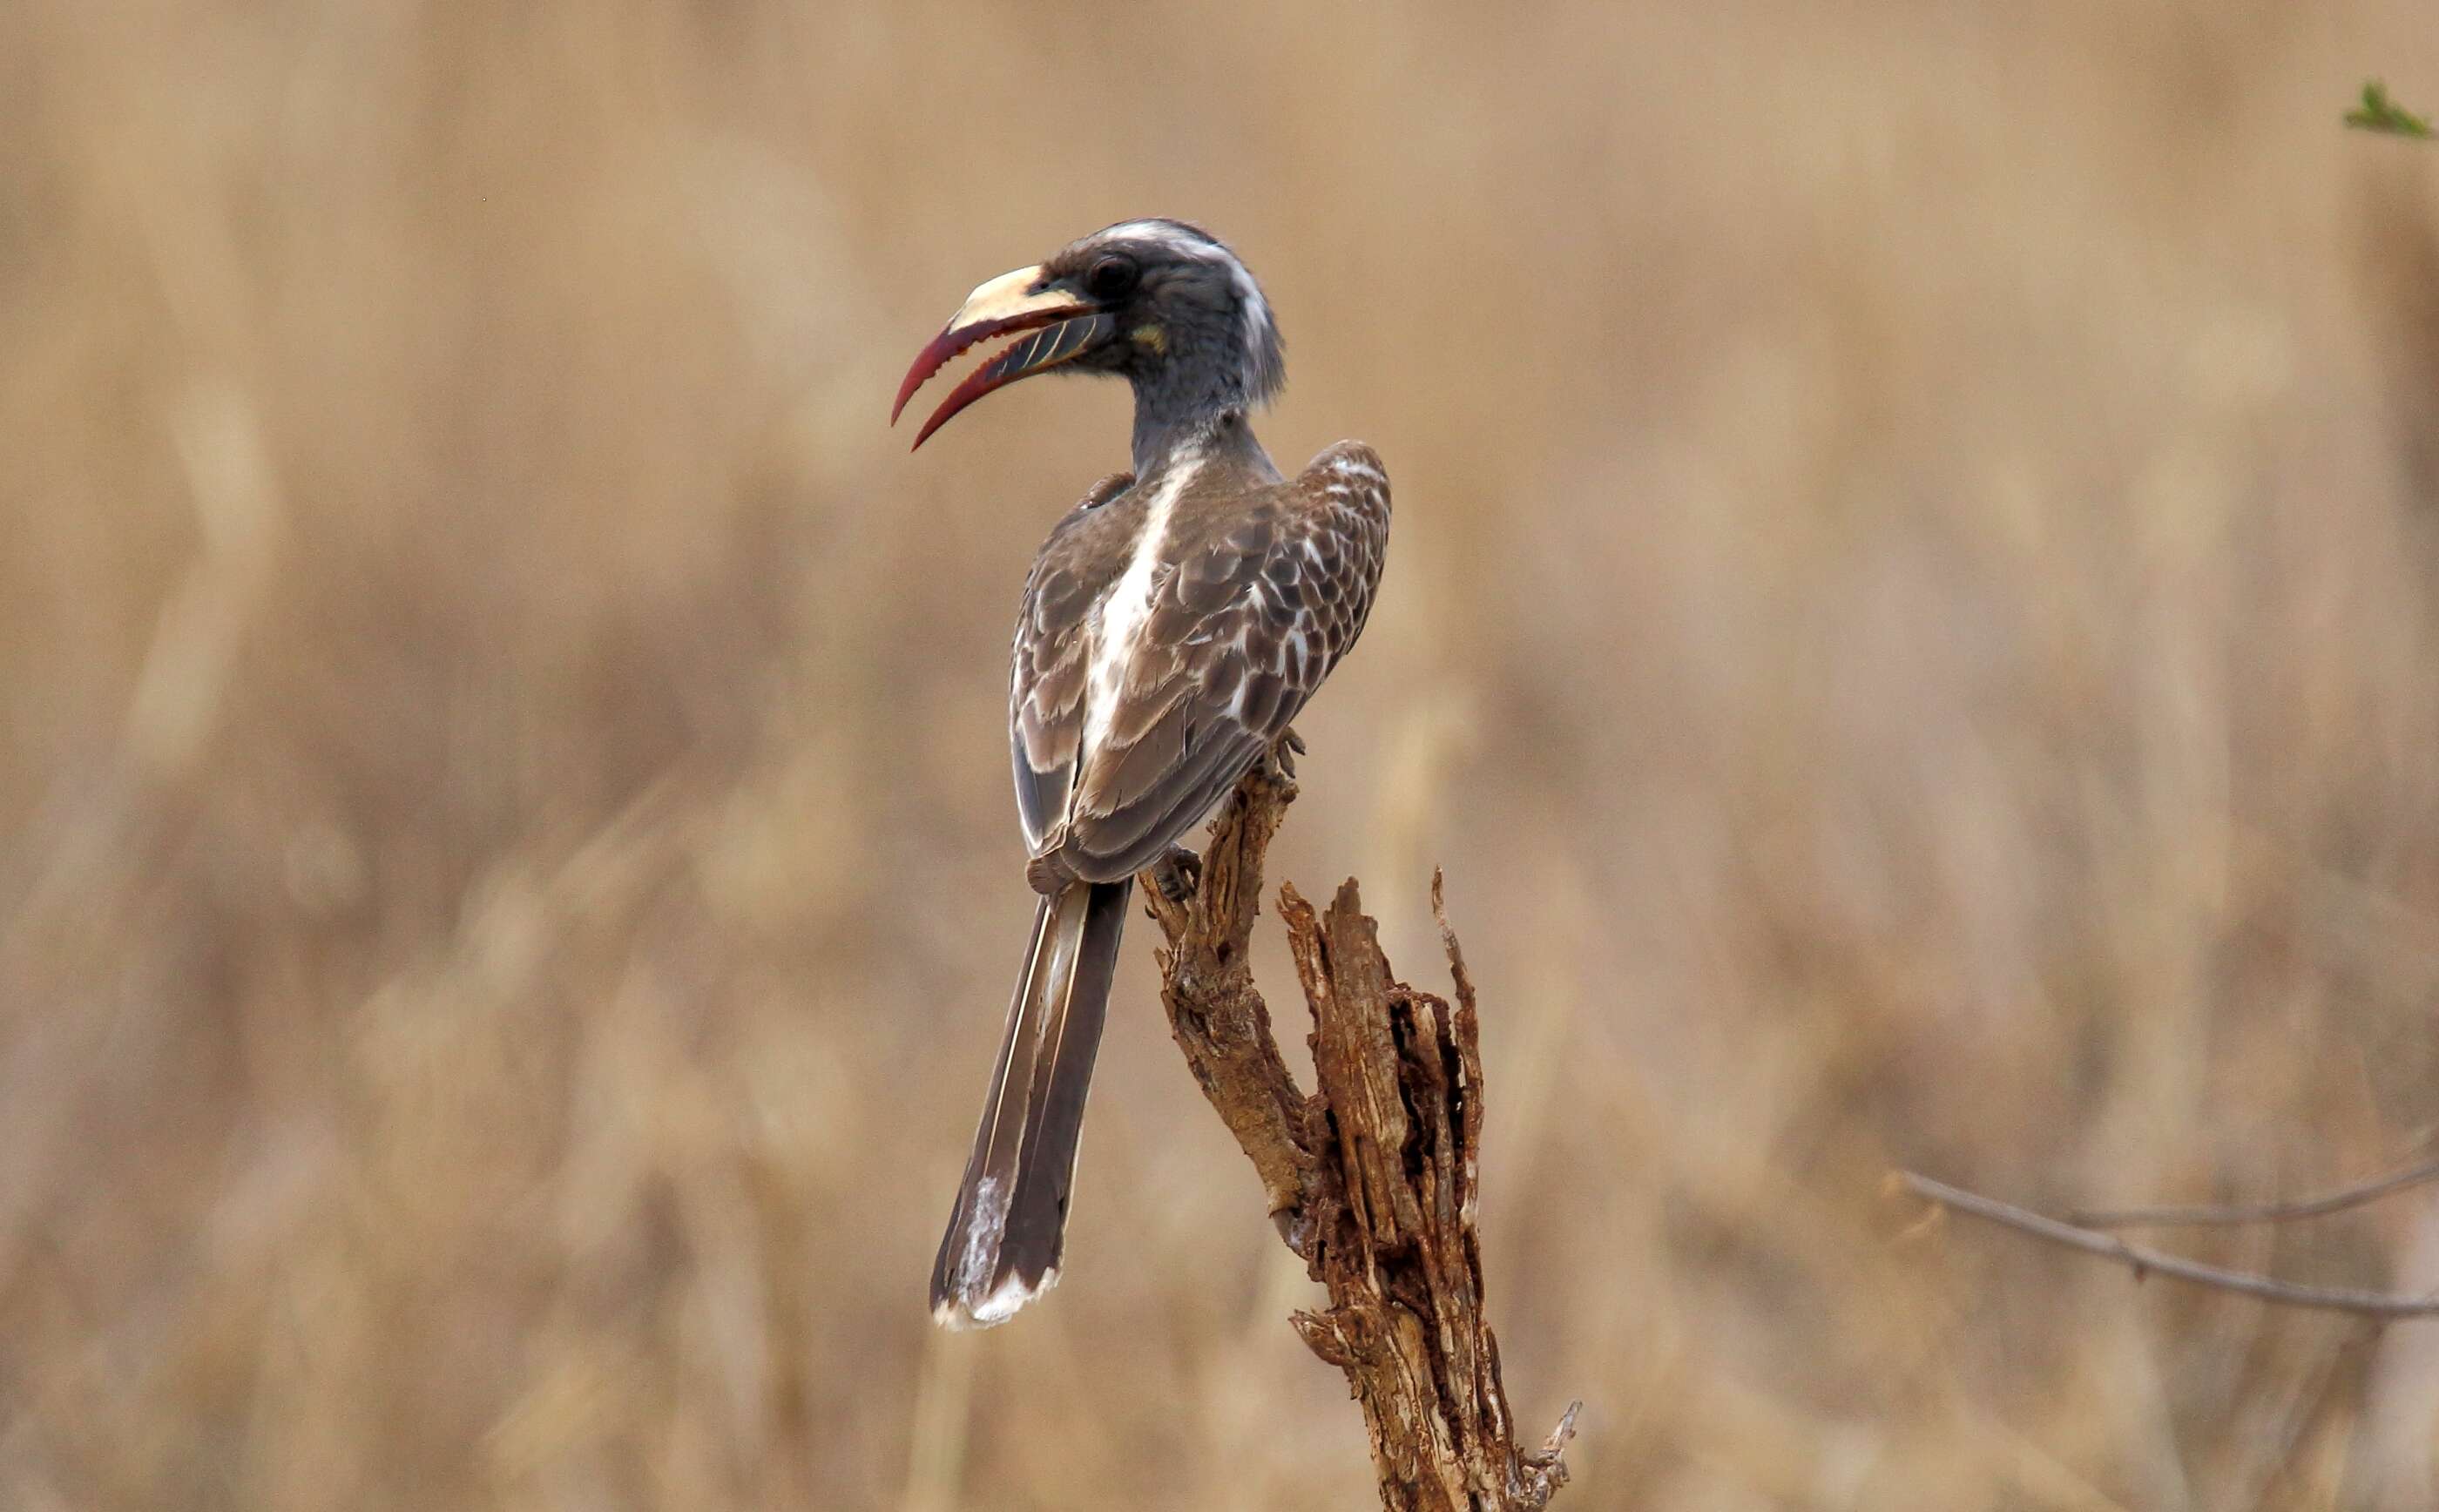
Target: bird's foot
[[1283, 753], [1176, 874]]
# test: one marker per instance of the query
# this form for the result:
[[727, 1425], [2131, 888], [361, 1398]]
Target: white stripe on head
[[1257, 313], [1252, 308], [1174, 234]]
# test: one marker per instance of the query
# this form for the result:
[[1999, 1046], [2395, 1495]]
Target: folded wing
[[1249, 618]]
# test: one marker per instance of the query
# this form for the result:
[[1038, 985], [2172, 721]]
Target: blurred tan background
[[1914, 627]]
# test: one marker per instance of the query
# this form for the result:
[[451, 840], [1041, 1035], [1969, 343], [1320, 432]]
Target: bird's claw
[[1176, 874], [1284, 751]]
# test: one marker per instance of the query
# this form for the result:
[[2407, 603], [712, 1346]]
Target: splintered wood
[[1371, 1179]]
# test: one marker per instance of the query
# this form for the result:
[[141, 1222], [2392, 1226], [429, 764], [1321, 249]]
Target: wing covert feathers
[[1261, 587]]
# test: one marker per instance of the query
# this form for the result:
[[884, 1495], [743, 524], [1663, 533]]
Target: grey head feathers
[[1196, 336]]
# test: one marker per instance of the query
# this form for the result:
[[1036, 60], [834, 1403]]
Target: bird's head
[[1164, 304]]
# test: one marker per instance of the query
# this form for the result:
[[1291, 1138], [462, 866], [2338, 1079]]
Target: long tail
[[1002, 1247]]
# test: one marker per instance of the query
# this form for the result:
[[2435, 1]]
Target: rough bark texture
[[1370, 1178]]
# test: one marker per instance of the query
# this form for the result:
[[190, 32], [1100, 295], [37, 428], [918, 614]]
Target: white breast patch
[[1123, 612]]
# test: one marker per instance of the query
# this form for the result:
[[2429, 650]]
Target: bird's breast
[[1118, 626]]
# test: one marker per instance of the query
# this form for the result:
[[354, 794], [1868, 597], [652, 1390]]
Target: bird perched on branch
[[1173, 623]]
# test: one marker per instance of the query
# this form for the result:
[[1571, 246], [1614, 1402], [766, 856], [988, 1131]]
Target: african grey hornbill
[[1173, 623]]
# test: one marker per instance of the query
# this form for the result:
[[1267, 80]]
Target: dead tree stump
[[1371, 1179]]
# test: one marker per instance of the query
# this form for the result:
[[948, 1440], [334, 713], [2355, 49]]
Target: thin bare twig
[[2234, 1214], [2146, 1261]]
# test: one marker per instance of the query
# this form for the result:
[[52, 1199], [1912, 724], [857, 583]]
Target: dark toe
[[1176, 874]]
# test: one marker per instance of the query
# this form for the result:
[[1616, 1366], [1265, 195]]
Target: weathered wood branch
[[1371, 1179]]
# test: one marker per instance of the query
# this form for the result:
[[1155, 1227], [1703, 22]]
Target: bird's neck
[[1192, 409], [1223, 435]]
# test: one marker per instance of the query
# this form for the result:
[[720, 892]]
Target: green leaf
[[2377, 112]]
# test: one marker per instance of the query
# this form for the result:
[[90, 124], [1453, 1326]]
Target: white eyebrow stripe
[[1254, 311], [1172, 237]]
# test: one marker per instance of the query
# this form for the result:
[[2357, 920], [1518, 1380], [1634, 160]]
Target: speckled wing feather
[[1052, 655], [1261, 593]]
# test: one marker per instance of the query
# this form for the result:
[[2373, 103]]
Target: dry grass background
[[1912, 626]]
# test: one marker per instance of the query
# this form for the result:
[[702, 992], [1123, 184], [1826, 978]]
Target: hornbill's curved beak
[[1064, 327]]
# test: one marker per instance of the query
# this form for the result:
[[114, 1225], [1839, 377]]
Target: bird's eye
[[1110, 278]]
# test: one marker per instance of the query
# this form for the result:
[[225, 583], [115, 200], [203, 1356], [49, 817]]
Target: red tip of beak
[[978, 383], [949, 343], [933, 357]]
